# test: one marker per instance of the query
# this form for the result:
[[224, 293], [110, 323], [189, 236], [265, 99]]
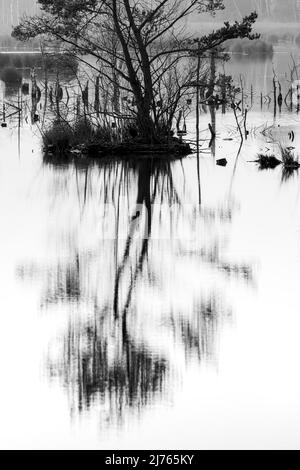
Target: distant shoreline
[[260, 27], [23, 51], [263, 24]]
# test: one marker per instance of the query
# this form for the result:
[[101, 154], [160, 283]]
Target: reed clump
[[58, 138], [290, 163], [267, 162], [84, 138], [288, 158], [62, 136]]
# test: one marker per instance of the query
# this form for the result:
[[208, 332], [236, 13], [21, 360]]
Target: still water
[[188, 338]]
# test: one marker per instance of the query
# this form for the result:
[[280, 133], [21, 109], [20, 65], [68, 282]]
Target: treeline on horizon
[[7, 42], [268, 10]]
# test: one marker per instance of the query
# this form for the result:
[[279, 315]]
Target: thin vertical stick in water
[[275, 93], [234, 107], [19, 123], [245, 124], [198, 123], [243, 94]]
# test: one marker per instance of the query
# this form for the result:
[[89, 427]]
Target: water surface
[[176, 330]]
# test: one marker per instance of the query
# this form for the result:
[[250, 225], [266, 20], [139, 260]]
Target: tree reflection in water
[[131, 322]]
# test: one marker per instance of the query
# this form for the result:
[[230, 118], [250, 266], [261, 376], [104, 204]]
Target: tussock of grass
[[267, 162], [58, 138], [63, 136], [288, 158]]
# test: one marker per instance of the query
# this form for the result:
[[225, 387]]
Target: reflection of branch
[[235, 168], [199, 333], [143, 198], [130, 379], [234, 107], [104, 358], [144, 252]]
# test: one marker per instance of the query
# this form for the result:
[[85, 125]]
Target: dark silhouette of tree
[[140, 47]]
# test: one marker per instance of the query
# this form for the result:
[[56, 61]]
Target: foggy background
[[268, 10], [274, 10], [12, 10]]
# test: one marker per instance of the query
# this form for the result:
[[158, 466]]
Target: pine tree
[[136, 45]]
